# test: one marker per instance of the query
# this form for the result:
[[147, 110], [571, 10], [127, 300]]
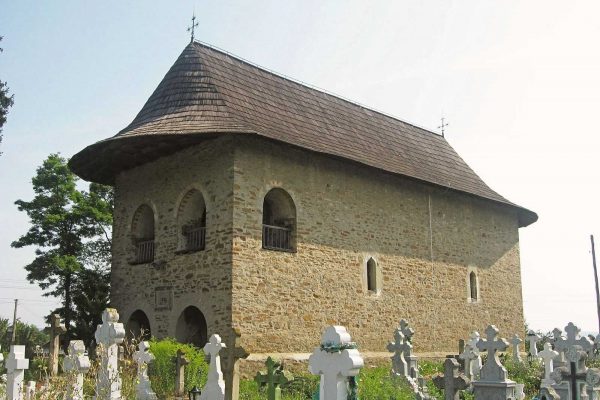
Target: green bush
[[162, 370]]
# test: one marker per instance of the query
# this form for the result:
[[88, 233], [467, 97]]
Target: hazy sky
[[518, 81]]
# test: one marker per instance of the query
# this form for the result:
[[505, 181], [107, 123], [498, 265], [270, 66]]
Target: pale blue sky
[[518, 81]]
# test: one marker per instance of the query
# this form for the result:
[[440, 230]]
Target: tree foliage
[[6, 102], [71, 230]]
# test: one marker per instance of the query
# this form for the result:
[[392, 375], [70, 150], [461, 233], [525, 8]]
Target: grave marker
[[231, 364], [180, 362], [108, 337], [532, 338], [475, 364], [76, 364], [16, 364], [215, 385], [493, 383], [399, 364], [411, 360], [592, 383], [273, 378], [560, 360], [572, 339], [30, 390], [468, 356], [548, 355], [336, 360], [576, 374], [515, 342], [451, 382], [143, 357], [56, 329]]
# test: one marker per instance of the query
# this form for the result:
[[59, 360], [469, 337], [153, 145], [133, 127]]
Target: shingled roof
[[207, 93]]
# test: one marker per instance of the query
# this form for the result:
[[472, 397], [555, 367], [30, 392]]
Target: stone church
[[256, 207]]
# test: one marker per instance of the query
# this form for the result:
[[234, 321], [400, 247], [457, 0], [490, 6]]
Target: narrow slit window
[[473, 285], [372, 276]]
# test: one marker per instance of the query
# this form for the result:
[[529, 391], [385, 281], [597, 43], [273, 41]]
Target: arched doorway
[[191, 327], [138, 326]]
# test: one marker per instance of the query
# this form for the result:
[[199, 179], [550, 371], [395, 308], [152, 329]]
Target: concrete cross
[[515, 342], [572, 339], [16, 364], [30, 390], [411, 360], [76, 364], [398, 347], [532, 338], [557, 336], [592, 383], [109, 335], [180, 362], [476, 364], [273, 378], [468, 356], [492, 370], [215, 385], [407, 331], [56, 329], [231, 364], [143, 357], [335, 367], [451, 382], [576, 374], [548, 355]]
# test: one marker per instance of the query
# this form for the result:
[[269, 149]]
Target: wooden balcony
[[277, 238]]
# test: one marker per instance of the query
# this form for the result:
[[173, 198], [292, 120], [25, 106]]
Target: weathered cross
[[16, 364], [451, 382], [191, 28], [572, 339], [473, 340], [273, 378], [407, 331], [398, 347], [515, 342], [56, 329], [215, 385], [180, 362], [143, 357], [109, 336], [592, 382], [532, 338], [335, 366], [443, 125], [492, 370], [548, 355], [468, 356], [76, 364], [576, 375]]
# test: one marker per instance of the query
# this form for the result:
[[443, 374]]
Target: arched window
[[373, 276], [142, 229], [473, 289], [191, 219], [138, 326], [279, 221], [191, 327]]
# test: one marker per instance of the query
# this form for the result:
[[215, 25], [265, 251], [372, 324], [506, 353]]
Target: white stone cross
[[556, 336], [468, 355], [76, 364], [335, 360], [411, 360], [16, 364], [215, 385], [493, 370], [476, 364], [532, 338], [407, 331], [109, 336], [398, 346], [592, 383], [143, 357], [515, 342], [548, 355], [30, 390], [573, 339]]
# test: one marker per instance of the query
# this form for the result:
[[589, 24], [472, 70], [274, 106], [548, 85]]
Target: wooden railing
[[277, 238], [195, 239], [144, 251]]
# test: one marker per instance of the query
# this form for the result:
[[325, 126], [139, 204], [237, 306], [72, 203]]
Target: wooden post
[[596, 279]]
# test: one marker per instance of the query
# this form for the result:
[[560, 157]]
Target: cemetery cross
[[143, 357], [451, 382], [468, 356], [575, 375], [215, 385], [573, 338], [56, 329], [533, 338], [108, 337], [592, 382], [548, 355], [476, 364], [492, 370], [180, 362], [273, 378], [398, 346], [16, 364], [515, 342], [76, 364]]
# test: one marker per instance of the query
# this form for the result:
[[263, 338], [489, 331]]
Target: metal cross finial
[[442, 126], [194, 25]]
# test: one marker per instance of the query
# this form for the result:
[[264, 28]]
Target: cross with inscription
[[56, 329], [398, 347], [492, 370], [273, 378], [451, 382]]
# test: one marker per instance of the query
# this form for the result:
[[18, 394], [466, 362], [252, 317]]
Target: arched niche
[[138, 326], [191, 221], [142, 231], [191, 327], [279, 221]]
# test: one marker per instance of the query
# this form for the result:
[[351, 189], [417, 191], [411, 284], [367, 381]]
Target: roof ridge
[[314, 87]]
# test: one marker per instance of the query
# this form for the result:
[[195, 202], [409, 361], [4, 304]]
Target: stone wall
[[201, 279], [425, 240]]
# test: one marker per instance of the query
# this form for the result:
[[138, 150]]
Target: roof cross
[[443, 125], [194, 25]]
